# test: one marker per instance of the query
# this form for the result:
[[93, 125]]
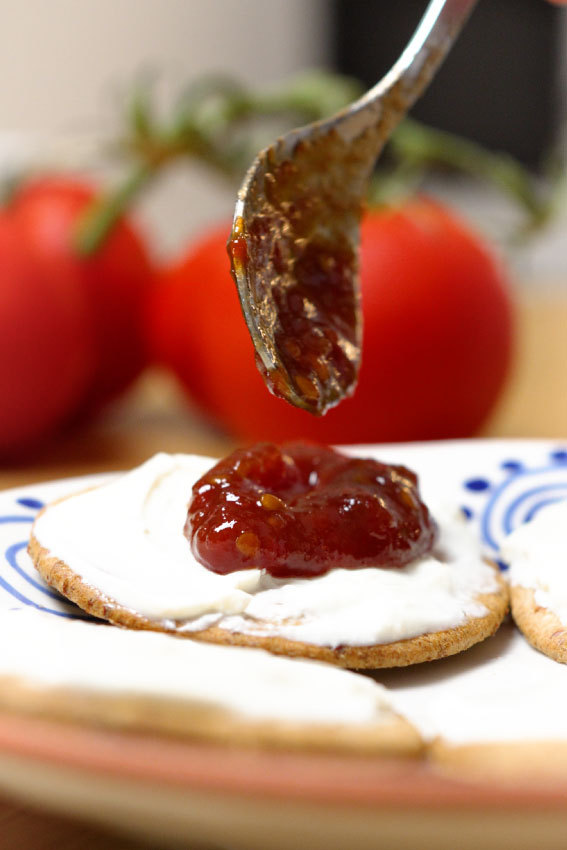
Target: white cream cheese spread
[[126, 539], [500, 690], [537, 555], [52, 652]]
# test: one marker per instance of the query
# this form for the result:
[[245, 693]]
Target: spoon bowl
[[294, 242]]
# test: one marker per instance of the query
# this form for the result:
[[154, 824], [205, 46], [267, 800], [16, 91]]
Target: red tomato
[[438, 324], [46, 346], [70, 328], [115, 279]]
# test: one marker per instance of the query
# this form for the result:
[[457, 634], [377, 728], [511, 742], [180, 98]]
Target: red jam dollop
[[300, 510]]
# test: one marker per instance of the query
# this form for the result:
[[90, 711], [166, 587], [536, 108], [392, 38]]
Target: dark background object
[[499, 84]]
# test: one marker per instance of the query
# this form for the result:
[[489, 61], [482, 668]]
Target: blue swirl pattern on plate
[[20, 582], [518, 498]]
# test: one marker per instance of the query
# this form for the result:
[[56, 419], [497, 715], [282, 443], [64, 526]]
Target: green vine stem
[[417, 148], [213, 124], [99, 219], [221, 124]]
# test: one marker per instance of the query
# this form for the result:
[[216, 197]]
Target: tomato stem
[[213, 123], [216, 122], [99, 219], [418, 147]]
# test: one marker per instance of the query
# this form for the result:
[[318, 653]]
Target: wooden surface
[[155, 417]]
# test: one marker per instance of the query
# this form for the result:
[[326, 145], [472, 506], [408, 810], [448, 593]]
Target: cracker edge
[[517, 761], [392, 736], [541, 627], [426, 647]]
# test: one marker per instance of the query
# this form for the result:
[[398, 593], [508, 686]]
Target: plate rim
[[394, 782]]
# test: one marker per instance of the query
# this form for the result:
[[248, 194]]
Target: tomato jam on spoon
[[300, 510]]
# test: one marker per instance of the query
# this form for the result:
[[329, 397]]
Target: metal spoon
[[294, 243]]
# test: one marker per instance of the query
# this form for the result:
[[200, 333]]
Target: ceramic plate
[[205, 794]]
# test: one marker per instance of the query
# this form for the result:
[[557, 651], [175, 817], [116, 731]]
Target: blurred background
[[68, 65], [68, 71]]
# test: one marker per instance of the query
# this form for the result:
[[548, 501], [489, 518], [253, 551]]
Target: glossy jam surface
[[301, 510]]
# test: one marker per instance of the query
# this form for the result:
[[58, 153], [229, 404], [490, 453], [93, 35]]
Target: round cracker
[[391, 736], [542, 628], [517, 761], [426, 647]]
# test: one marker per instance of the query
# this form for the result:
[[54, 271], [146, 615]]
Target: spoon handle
[[394, 94], [432, 40]]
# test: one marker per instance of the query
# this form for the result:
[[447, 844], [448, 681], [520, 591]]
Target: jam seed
[[293, 348], [320, 367], [247, 544], [408, 499], [271, 502], [276, 521], [307, 387]]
